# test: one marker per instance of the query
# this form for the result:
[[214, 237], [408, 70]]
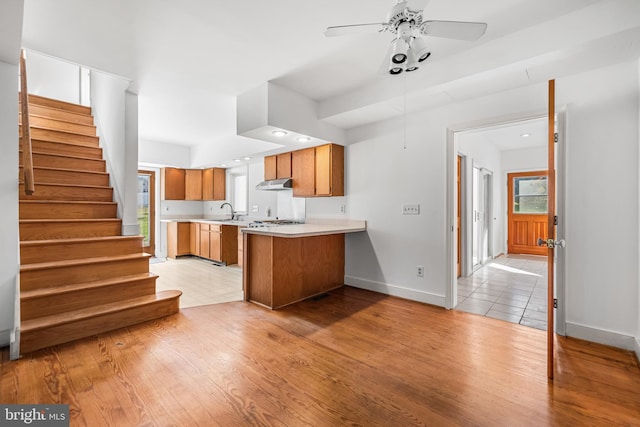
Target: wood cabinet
[[172, 184], [240, 246], [193, 184], [318, 171], [277, 166], [213, 184], [270, 167], [303, 171], [178, 239]]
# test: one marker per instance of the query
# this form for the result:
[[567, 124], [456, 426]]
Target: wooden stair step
[[37, 251], [67, 176], [49, 301], [57, 113], [62, 136], [56, 273], [40, 122], [69, 192], [65, 148], [59, 209], [46, 229], [57, 104], [60, 328], [66, 162]]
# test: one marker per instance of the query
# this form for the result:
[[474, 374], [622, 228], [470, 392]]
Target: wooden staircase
[[78, 276]]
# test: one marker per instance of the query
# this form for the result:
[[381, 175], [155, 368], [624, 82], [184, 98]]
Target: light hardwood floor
[[351, 358]]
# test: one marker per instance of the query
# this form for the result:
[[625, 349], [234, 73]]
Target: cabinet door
[[172, 184], [283, 165], [270, 168], [303, 172], [214, 243], [204, 240], [184, 237], [193, 237], [207, 184], [193, 184], [219, 184], [323, 170]]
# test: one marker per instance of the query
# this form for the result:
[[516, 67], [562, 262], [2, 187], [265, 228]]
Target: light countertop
[[311, 228]]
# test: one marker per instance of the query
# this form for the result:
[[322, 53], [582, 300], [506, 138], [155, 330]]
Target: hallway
[[510, 287]]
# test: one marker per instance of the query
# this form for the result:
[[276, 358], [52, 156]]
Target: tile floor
[[201, 282], [511, 288]]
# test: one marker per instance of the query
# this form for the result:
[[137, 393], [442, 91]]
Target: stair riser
[[55, 113], [30, 254], [59, 136], [60, 105], [35, 340], [62, 162], [67, 275], [59, 176], [66, 210], [69, 230], [60, 148], [62, 302], [62, 192], [61, 125]]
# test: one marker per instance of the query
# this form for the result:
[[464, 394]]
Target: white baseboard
[[5, 338], [130, 229], [637, 347], [602, 336], [395, 290]]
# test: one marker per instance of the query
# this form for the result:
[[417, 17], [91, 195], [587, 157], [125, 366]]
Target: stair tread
[[75, 202], [42, 153], [84, 313], [51, 184], [33, 99], [49, 107], [81, 261], [69, 170], [75, 240], [54, 290], [57, 120]]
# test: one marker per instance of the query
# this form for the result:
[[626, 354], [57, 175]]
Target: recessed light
[[236, 160], [279, 133], [525, 135], [223, 165], [246, 158], [303, 139]]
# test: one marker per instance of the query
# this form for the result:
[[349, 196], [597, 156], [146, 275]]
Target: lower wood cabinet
[[216, 242]]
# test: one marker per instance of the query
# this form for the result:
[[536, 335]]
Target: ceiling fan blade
[[454, 29], [344, 30], [417, 5]]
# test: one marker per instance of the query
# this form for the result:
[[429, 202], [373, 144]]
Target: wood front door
[[527, 214]]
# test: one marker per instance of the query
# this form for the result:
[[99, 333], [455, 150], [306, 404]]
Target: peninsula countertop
[[311, 227]]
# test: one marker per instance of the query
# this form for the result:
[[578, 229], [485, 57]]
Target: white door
[[481, 221]]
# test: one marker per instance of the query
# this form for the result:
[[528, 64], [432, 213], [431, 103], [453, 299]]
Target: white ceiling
[[190, 59]]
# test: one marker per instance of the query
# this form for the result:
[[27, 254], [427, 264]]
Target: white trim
[[395, 290], [637, 348], [602, 336]]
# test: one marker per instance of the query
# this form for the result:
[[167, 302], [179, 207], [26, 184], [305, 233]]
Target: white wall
[[53, 78], [162, 154], [9, 243], [115, 115], [602, 239], [637, 344]]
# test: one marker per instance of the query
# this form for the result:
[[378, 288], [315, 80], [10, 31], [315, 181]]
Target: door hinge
[[555, 220], [555, 303], [555, 137]]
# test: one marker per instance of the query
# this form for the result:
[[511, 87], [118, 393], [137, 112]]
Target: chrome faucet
[[233, 214]]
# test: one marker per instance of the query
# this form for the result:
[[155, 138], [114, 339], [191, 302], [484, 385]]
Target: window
[[530, 195], [239, 190]]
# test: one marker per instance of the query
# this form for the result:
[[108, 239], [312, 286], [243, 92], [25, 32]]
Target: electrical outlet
[[420, 271], [411, 209], [343, 208], [255, 208]]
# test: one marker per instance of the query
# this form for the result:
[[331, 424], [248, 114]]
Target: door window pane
[[530, 195]]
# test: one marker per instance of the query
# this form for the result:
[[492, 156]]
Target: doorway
[[146, 209], [482, 230]]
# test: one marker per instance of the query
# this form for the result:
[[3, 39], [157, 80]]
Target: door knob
[[550, 243]]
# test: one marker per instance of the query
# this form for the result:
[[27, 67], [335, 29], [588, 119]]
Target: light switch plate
[[411, 209]]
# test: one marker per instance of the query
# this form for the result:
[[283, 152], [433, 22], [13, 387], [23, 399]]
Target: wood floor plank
[[350, 358]]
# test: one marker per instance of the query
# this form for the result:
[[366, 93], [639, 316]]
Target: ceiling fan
[[406, 21]]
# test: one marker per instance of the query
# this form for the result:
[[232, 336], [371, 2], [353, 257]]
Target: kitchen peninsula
[[289, 263]]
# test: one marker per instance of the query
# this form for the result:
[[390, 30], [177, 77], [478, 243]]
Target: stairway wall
[[9, 243]]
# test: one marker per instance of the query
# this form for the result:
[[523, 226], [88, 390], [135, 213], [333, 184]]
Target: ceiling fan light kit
[[406, 21]]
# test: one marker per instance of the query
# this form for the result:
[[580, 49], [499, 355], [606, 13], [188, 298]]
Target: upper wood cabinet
[[172, 184], [213, 184], [270, 167], [277, 166], [318, 171], [193, 184], [303, 171]]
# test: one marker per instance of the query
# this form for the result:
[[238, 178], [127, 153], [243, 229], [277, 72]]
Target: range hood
[[275, 184]]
